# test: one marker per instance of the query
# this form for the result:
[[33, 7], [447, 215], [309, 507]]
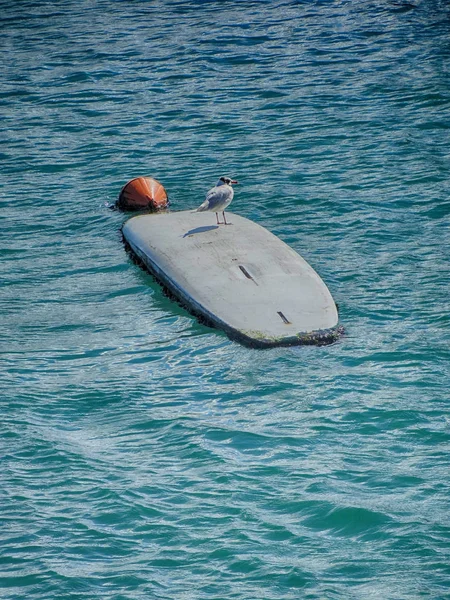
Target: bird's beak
[[234, 181]]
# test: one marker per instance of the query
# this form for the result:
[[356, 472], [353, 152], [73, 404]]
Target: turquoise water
[[146, 456]]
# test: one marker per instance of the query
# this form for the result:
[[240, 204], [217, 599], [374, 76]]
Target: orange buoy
[[143, 193]]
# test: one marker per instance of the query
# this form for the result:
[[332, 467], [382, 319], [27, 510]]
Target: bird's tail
[[202, 207]]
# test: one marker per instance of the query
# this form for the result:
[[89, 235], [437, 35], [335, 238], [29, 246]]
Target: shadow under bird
[[218, 198]]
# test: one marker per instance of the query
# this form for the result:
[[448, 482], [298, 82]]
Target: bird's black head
[[227, 180]]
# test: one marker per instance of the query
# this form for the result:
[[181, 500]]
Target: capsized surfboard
[[239, 277]]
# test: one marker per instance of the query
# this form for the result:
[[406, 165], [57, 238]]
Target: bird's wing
[[215, 197], [218, 195]]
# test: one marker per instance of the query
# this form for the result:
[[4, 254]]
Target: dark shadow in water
[[200, 230]]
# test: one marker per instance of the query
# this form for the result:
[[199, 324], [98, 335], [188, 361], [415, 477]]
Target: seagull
[[218, 198]]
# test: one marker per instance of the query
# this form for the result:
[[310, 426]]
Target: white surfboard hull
[[239, 277]]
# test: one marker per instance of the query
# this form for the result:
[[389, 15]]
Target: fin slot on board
[[283, 318], [246, 273]]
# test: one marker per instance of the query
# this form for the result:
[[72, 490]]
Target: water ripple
[[146, 455]]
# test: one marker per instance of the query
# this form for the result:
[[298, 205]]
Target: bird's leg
[[217, 218], [224, 220]]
